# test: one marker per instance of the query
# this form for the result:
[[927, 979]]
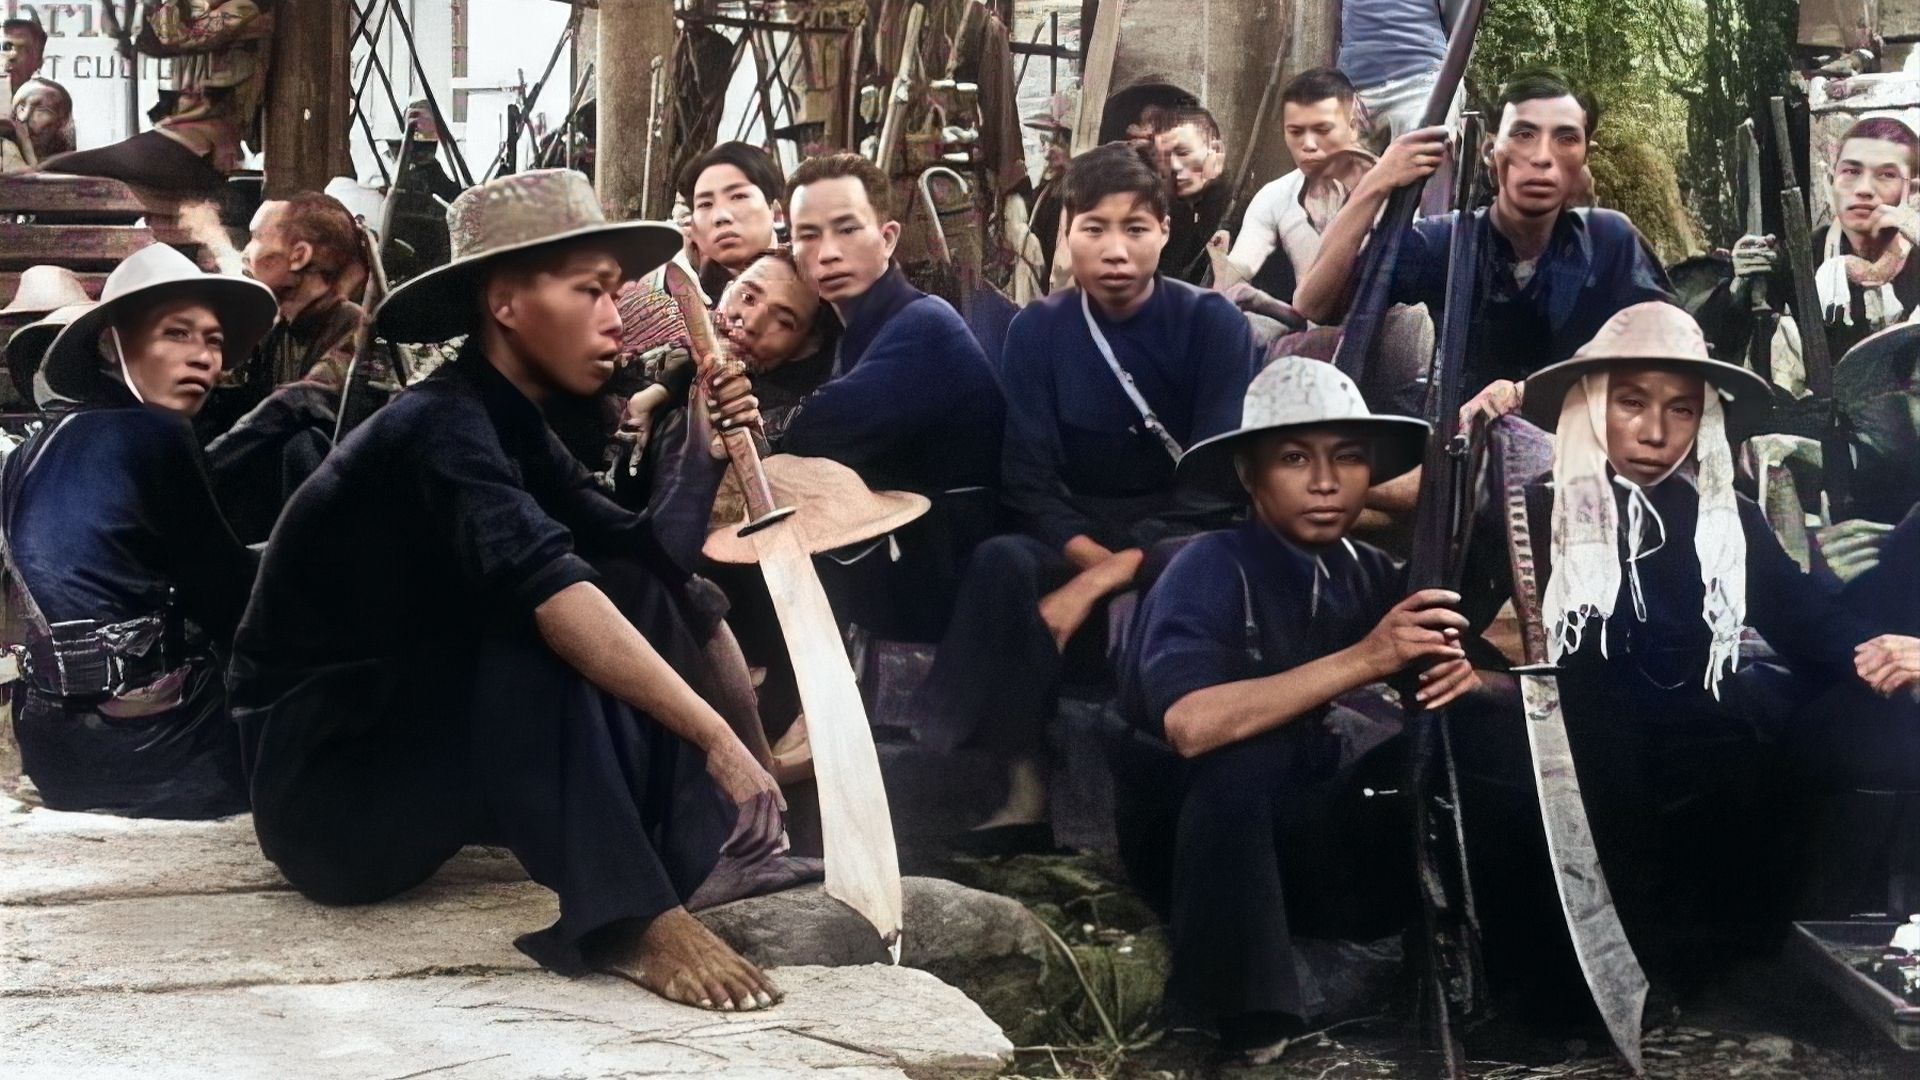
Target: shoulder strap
[[1250, 630], [1147, 415]]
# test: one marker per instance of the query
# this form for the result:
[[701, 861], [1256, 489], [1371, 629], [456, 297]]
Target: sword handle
[[713, 358]]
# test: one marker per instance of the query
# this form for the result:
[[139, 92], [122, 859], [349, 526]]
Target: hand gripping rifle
[[1360, 332], [1454, 983], [1760, 344], [1836, 451]]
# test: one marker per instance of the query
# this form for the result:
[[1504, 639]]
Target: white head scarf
[[1584, 578]]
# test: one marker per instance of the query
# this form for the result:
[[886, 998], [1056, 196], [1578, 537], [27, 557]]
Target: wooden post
[[632, 34], [309, 98]]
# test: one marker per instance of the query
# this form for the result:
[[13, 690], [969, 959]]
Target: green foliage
[[1673, 79]]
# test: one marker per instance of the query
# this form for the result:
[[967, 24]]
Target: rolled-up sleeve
[[1191, 634], [506, 547]]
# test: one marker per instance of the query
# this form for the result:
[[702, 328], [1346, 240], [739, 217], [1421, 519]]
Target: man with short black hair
[[733, 197], [1555, 275], [23, 45], [1278, 241], [913, 404], [1191, 152], [1867, 277], [1087, 472]]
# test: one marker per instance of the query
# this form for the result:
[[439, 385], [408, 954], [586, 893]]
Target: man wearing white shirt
[[1320, 117]]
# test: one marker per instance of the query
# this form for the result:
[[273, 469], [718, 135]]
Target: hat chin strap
[[120, 360]]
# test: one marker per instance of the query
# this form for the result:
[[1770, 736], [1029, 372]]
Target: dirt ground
[[1765, 1020]]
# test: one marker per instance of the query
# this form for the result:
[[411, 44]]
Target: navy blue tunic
[[1078, 460], [913, 403], [116, 520], [1195, 630], [1278, 834], [1595, 264]]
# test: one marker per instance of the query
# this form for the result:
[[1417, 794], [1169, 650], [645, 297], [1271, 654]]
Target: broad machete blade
[[856, 826], [863, 868], [1607, 960]]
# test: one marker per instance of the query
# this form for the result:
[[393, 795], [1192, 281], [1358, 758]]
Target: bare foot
[[676, 956]]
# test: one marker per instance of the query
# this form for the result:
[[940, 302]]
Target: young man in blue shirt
[[912, 404], [1552, 276], [1086, 476], [1272, 822]]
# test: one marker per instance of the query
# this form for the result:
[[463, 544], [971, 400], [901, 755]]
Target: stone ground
[[166, 949]]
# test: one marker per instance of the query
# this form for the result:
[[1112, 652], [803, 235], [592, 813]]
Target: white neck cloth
[[1584, 579], [1837, 270]]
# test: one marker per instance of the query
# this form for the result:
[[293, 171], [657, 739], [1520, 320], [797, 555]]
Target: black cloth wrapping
[[116, 521], [1286, 834], [264, 457]]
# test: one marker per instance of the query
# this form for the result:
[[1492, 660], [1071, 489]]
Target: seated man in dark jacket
[[127, 576], [913, 404], [1268, 825], [1088, 471], [309, 250], [457, 638]]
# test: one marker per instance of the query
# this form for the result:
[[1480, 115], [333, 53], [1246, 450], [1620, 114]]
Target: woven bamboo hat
[[45, 288], [1294, 392], [832, 509], [516, 213], [1654, 332], [157, 272]]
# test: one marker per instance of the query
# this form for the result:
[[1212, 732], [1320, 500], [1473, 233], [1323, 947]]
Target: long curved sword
[[1607, 960], [863, 867]]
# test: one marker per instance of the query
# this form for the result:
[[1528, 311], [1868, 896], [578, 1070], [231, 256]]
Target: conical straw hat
[[833, 509], [46, 288]]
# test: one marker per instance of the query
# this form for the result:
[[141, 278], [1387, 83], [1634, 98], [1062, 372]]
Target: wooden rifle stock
[[1836, 452], [1360, 332], [1455, 980]]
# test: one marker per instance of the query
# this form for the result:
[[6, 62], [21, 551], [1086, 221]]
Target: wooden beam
[[86, 247], [633, 164], [309, 98], [40, 193]]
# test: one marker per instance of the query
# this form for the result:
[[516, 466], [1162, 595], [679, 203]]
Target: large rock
[[242, 939], [861, 1023], [988, 946], [51, 857]]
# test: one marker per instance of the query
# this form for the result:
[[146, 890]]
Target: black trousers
[[149, 159], [183, 763], [1257, 843], [1683, 796], [997, 673], [997, 670], [600, 803]]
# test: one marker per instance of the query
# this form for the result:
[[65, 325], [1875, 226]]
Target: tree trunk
[[309, 98], [632, 181]]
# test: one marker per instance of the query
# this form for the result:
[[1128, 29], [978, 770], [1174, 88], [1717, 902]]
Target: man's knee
[[1232, 789]]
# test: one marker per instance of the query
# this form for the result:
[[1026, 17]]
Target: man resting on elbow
[[1276, 827]]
